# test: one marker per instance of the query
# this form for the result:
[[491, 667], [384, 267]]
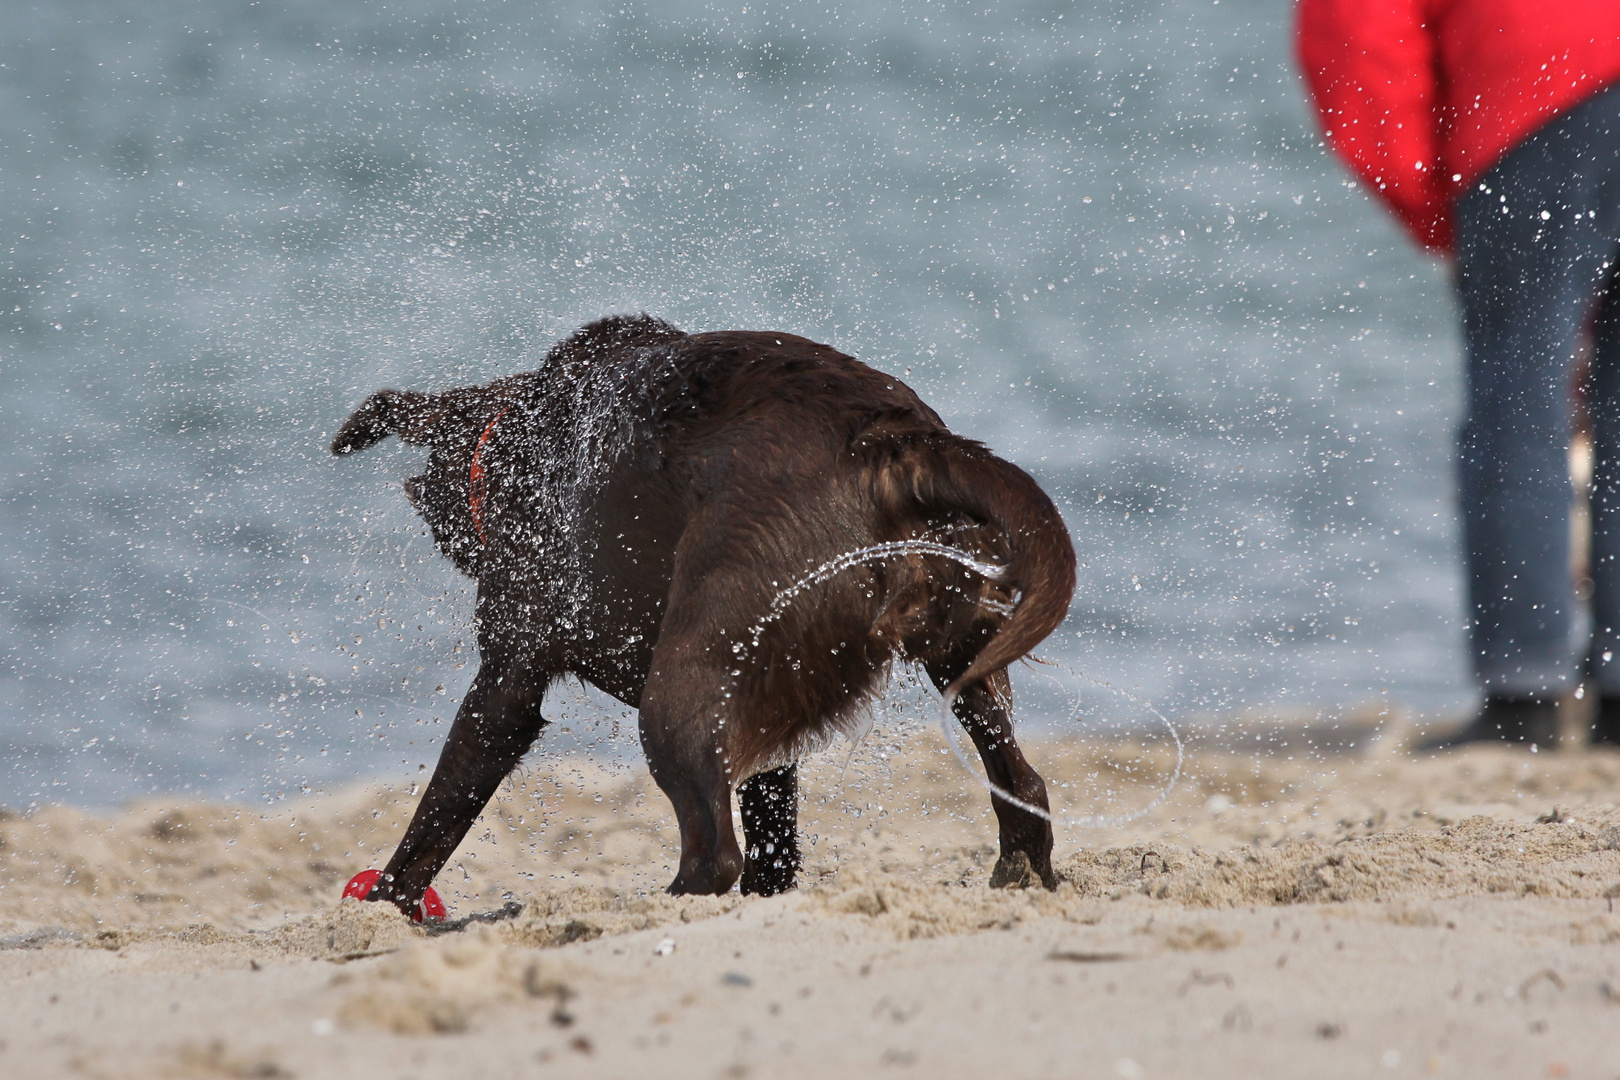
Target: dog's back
[[568, 490]]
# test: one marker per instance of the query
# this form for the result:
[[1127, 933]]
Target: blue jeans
[[1538, 239]]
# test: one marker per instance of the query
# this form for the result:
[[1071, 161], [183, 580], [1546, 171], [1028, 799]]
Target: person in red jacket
[[1491, 128]]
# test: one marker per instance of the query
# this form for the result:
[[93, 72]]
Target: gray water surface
[[1103, 239]]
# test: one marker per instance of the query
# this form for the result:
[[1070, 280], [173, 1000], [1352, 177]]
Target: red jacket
[[1422, 97]]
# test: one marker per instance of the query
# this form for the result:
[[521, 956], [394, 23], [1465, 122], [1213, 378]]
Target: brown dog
[[631, 511]]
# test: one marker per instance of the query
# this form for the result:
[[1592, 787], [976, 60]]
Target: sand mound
[[159, 865], [351, 930], [900, 838], [1479, 856], [583, 913], [440, 986], [1570, 859]]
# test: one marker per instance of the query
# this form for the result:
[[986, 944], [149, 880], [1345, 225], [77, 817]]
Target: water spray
[[947, 719]]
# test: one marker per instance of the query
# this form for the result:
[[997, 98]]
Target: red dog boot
[[430, 907]]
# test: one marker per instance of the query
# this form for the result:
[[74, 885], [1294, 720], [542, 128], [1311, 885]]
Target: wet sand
[[1305, 915]]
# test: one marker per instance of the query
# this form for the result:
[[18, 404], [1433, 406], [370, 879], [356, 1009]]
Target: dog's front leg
[[769, 802], [495, 726]]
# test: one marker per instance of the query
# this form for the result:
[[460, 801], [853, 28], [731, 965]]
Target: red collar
[[478, 477]]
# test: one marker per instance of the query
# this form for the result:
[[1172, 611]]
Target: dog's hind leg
[[498, 721], [683, 739], [769, 802], [684, 710], [1026, 840]]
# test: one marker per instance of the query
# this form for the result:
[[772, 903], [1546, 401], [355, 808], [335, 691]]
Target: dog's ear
[[385, 413]]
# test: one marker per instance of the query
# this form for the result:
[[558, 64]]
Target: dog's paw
[[1013, 871]]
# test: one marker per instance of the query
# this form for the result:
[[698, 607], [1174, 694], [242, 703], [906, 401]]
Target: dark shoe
[[1606, 724], [1530, 721]]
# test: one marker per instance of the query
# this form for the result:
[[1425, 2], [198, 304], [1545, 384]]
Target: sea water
[[1104, 239]]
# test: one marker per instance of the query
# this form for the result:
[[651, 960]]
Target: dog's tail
[[946, 474]]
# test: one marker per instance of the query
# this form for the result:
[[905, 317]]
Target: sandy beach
[[1297, 913]]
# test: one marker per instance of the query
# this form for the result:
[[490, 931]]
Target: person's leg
[[1530, 247], [1604, 393]]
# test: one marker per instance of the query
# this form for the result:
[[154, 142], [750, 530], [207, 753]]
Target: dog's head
[[449, 493], [414, 417]]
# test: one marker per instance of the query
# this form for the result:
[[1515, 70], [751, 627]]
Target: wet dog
[[632, 510]]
